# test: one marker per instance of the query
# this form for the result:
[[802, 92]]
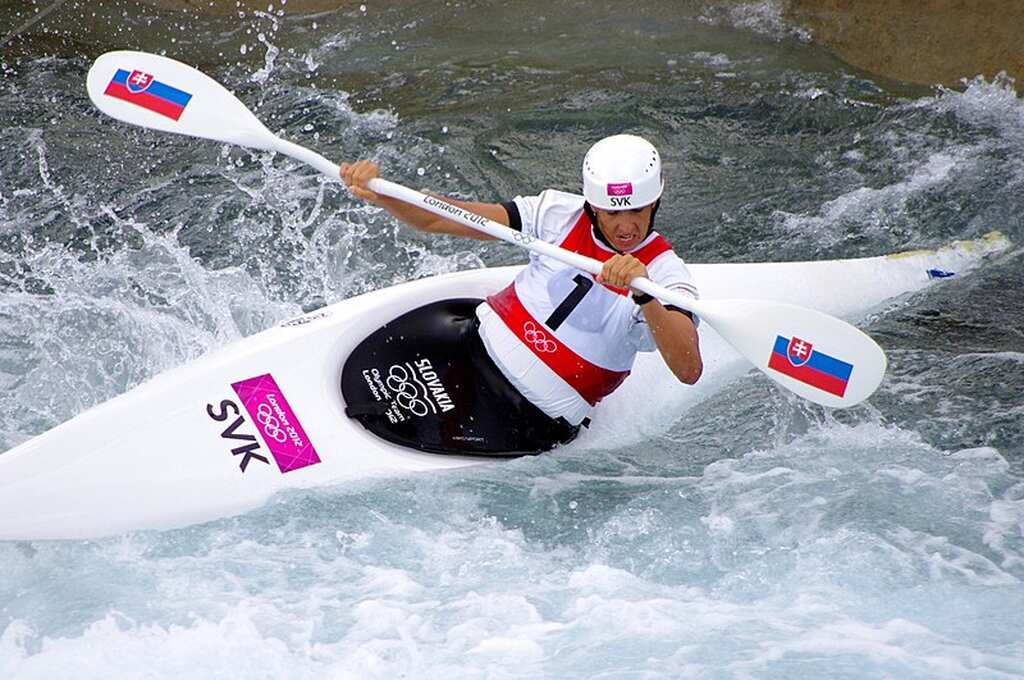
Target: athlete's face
[[624, 229]]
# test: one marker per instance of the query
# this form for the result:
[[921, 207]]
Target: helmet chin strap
[[600, 234]]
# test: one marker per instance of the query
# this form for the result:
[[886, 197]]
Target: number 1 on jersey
[[571, 301]]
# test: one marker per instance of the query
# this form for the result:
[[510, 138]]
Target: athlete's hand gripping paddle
[[815, 355]]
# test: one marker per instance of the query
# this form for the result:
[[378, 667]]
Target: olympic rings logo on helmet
[[406, 395], [538, 338], [270, 423]]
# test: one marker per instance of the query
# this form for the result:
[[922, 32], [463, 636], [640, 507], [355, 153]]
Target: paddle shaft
[[482, 224]]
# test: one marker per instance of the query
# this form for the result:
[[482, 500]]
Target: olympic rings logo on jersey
[[538, 338], [406, 395], [270, 423]]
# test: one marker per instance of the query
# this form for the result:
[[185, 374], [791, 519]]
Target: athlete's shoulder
[[562, 198], [550, 212], [556, 205]]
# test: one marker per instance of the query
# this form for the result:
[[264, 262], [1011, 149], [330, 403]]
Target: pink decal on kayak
[[623, 189], [276, 422]]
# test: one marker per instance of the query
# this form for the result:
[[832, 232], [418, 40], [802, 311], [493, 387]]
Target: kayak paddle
[[815, 355]]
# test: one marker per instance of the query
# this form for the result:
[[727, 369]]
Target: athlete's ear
[[654, 211]]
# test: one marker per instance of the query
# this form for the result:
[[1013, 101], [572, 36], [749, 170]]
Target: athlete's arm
[[357, 176], [677, 340], [674, 332]]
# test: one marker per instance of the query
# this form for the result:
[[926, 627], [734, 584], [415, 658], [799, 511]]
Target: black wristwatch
[[642, 298]]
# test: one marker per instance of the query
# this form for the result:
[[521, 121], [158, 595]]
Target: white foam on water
[[849, 552], [982, 101], [764, 17], [718, 60], [928, 162], [80, 329], [871, 208]]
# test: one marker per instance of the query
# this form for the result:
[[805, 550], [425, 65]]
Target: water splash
[[880, 211], [764, 18], [991, 103], [89, 330]]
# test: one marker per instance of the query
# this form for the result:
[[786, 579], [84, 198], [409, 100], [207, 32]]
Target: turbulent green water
[[754, 537]]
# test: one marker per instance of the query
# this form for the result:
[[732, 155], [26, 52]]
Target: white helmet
[[622, 172]]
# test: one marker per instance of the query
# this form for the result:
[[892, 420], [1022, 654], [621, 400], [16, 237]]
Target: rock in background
[[919, 41]]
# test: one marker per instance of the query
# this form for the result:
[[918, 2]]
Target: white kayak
[[219, 436]]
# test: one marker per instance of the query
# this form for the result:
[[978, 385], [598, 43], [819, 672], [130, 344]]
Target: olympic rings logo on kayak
[[270, 423], [538, 338], [406, 395]]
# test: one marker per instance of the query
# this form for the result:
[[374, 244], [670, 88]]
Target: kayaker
[[561, 339]]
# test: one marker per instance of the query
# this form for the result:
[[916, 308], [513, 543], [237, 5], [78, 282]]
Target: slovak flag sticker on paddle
[[142, 89], [798, 359]]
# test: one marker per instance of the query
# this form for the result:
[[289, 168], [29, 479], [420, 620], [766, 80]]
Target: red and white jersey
[[564, 340]]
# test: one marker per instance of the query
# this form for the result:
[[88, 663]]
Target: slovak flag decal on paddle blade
[[799, 360], [142, 89]]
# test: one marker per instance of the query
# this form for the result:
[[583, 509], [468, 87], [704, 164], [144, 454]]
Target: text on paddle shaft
[[467, 217], [454, 210]]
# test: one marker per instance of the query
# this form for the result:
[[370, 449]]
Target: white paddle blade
[[163, 94], [817, 356]]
